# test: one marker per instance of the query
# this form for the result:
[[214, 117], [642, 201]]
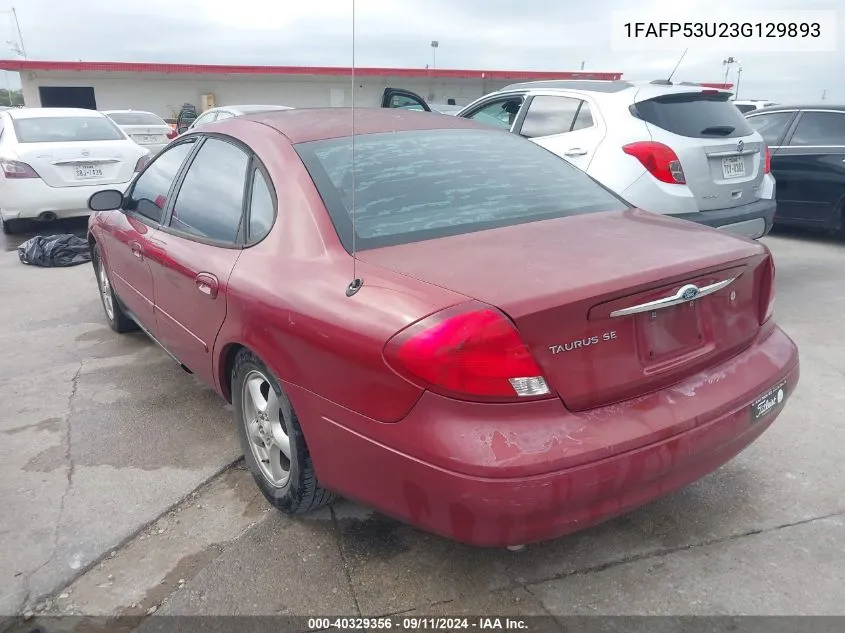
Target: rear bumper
[[497, 475], [750, 220], [30, 198]]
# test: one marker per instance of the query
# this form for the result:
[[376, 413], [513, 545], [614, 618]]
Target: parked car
[[749, 105], [808, 161], [225, 112], [53, 159], [406, 100], [427, 351], [145, 128], [682, 149]]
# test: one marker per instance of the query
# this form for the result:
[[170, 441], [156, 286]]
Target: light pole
[[738, 77], [18, 49], [730, 61], [434, 45]]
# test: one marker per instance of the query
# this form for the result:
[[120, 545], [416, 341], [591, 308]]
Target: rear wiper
[[718, 130]]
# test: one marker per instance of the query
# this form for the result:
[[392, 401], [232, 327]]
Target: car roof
[[593, 85], [33, 113], [813, 106], [246, 109], [301, 125], [128, 112]]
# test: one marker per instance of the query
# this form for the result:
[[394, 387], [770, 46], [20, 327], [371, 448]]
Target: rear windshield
[[695, 115], [419, 185], [136, 118], [66, 129]]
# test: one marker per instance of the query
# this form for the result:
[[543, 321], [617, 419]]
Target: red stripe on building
[[215, 69]]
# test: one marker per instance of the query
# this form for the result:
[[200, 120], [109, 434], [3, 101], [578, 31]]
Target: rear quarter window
[[694, 115], [412, 186]]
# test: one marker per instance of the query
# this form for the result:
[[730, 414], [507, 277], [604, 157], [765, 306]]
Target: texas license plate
[[146, 139], [87, 171], [768, 402], [733, 167]]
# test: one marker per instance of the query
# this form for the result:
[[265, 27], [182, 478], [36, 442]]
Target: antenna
[[674, 70], [356, 283]]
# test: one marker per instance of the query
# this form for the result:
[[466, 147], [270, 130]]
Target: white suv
[[682, 149]]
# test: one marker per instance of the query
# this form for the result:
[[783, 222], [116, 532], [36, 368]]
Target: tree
[[13, 98]]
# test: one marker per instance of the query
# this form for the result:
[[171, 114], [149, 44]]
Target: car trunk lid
[[79, 164], [147, 134], [571, 283], [723, 159]]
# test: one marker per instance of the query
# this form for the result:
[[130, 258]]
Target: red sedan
[[442, 320]]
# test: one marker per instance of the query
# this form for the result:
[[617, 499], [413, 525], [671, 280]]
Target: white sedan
[[53, 159], [145, 128]]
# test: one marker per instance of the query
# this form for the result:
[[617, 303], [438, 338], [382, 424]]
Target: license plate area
[[87, 171], [670, 335], [146, 139], [769, 402], [733, 167]]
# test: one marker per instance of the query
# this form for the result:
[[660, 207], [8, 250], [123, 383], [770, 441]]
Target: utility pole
[[738, 77], [582, 65], [20, 35], [434, 45], [730, 61]]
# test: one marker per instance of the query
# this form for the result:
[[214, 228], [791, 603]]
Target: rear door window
[[149, 195], [820, 129], [500, 113], [210, 201], [771, 126], [548, 115], [694, 115]]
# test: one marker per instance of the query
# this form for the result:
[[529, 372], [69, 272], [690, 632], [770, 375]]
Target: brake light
[[469, 352], [660, 161], [142, 162], [767, 166], [767, 290], [172, 134], [17, 169]]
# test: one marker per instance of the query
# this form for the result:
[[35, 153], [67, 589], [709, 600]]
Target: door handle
[[575, 151], [207, 284], [137, 249]]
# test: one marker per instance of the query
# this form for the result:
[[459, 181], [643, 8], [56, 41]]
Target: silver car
[[682, 149], [225, 112]]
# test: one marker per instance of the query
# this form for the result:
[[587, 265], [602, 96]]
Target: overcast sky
[[474, 34]]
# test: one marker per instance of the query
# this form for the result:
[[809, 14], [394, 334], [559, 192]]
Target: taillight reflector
[[767, 290], [767, 166], [660, 161], [17, 169], [468, 352]]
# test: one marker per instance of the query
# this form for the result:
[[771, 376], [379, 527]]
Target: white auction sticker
[[733, 31]]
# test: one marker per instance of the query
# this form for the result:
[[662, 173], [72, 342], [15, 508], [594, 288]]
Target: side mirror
[[108, 200]]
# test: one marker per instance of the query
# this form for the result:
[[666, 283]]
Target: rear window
[[419, 185], [136, 118], [66, 129], [694, 115]]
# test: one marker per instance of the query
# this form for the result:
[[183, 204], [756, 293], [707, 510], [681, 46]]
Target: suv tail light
[[142, 162], [660, 161], [17, 169], [767, 166], [172, 134], [767, 290], [468, 352]]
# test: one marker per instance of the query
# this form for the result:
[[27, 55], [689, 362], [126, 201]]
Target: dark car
[[442, 320], [807, 146]]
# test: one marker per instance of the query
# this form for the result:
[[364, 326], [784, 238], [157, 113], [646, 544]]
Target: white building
[[163, 88]]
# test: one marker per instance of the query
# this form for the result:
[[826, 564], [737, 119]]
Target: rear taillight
[[767, 165], [17, 169], [468, 352], [172, 134], [660, 161], [767, 290], [142, 162]]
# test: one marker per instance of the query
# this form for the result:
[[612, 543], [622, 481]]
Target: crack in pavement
[[672, 550], [71, 467], [344, 561]]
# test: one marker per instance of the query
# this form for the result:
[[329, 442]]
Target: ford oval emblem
[[740, 146], [689, 293]]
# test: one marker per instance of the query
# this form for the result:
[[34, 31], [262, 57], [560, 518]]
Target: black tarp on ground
[[53, 251]]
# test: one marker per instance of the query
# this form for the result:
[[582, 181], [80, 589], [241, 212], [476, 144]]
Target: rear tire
[[115, 316], [271, 439]]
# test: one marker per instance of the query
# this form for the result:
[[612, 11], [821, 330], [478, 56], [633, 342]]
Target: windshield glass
[[419, 185], [66, 129], [136, 118]]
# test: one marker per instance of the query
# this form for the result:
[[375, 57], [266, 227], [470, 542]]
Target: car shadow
[[807, 235], [76, 226]]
